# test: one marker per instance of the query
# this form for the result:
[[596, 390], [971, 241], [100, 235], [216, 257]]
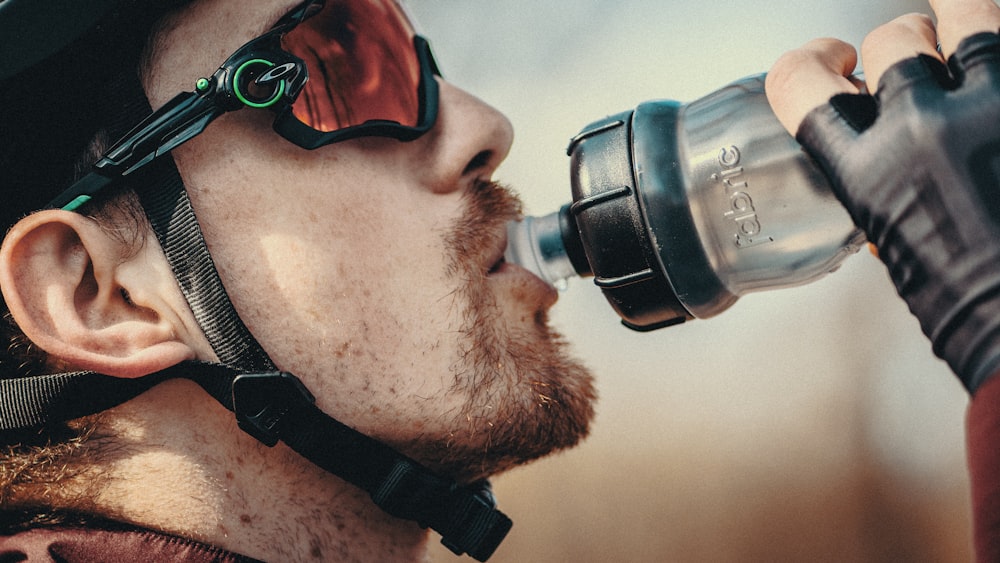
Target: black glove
[[918, 167]]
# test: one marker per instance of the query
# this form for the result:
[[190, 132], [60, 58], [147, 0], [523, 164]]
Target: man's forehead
[[236, 15]]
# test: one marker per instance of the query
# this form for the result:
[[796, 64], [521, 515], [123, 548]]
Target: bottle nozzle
[[545, 246]]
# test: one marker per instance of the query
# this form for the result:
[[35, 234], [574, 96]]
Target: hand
[[917, 164], [808, 77]]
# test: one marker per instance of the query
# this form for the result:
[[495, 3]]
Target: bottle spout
[[548, 246]]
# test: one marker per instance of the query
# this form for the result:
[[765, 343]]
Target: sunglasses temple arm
[[180, 119]]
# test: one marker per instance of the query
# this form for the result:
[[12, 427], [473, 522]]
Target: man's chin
[[523, 396], [534, 402]]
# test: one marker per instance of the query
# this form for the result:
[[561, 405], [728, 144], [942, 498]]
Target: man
[[430, 373], [916, 164], [370, 268]]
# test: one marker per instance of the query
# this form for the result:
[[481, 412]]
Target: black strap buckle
[[261, 401], [466, 517]]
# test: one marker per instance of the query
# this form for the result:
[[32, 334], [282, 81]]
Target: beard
[[526, 396]]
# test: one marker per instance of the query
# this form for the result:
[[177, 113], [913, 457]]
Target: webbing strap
[[169, 210], [165, 202], [40, 400]]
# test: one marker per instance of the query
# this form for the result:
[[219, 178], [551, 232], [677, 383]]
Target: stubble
[[526, 395]]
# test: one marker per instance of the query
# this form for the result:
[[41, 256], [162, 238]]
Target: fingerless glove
[[917, 165]]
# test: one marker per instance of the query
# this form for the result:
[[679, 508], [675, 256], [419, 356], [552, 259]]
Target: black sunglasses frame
[[260, 63]]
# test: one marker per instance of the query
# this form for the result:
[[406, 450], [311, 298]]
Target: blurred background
[[807, 424]]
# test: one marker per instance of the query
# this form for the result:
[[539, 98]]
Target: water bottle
[[679, 209]]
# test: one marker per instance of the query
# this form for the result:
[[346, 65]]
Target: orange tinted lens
[[362, 65]]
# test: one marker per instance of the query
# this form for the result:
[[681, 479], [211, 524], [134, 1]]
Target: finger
[[903, 38], [808, 77], [958, 19]]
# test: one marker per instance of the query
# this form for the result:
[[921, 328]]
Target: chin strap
[[273, 407], [276, 406]]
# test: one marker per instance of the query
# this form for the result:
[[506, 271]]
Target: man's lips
[[530, 287], [495, 259], [496, 266]]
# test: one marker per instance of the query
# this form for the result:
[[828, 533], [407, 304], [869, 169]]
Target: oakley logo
[[280, 72]]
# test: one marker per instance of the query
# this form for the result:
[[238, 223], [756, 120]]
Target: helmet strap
[[167, 206]]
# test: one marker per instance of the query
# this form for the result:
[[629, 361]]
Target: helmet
[[31, 33], [58, 61], [68, 70]]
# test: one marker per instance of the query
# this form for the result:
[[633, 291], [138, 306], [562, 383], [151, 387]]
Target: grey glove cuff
[[917, 165]]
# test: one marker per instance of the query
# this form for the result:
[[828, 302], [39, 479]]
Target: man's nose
[[468, 142]]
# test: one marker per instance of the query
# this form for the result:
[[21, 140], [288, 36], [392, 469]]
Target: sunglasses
[[330, 70]]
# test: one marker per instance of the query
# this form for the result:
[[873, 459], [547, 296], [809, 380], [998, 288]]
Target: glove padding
[[917, 165]]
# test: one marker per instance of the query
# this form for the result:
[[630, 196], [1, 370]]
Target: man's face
[[371, 268]]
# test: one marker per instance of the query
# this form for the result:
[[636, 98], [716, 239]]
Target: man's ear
[[90, 300]]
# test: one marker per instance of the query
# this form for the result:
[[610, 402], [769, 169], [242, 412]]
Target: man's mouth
[[513, 277], [497, 258], [480, 237], [497, 265]]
